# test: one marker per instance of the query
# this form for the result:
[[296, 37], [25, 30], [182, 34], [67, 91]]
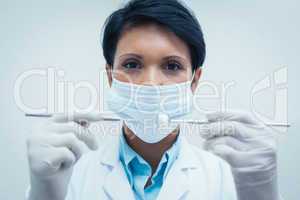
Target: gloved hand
[[53, 149], [249, 147]]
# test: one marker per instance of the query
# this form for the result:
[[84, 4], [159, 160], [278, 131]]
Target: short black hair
[[171, 14]]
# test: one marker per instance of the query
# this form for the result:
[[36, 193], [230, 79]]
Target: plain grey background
[[246, 42]]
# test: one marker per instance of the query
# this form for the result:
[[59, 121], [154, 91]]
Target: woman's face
[[151, 55]]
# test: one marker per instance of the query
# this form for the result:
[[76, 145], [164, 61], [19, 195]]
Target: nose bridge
[[151, 76]]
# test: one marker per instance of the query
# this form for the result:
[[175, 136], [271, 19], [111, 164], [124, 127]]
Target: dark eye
[[173, 66], [131, 65]]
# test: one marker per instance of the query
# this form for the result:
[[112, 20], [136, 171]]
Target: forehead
[[151, 38]]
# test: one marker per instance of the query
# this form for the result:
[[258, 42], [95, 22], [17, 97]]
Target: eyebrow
[[174, 57], [141, 57], [131, 54]]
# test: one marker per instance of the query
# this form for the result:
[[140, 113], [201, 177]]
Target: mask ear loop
[[116, 80], [112, 73], [193, 76]]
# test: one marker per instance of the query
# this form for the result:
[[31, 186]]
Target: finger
[[80, 132], [243, 132], [218, 129], [70, 141], [229, 150], [61, 157], [90, 117], [228, 141], [239, 116], [225, 152]]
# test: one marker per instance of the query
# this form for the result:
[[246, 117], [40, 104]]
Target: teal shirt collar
[[133, 163]]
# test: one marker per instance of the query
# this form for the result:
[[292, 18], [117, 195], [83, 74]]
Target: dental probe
[[189, 121]]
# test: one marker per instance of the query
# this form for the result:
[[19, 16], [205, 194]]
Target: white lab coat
[[195, 175]]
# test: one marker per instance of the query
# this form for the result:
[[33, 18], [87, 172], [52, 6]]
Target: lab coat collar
[[110, 153], [176, 183], [116, 184], [187, 157]]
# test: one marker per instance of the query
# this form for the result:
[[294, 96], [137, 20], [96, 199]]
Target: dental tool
[[164, 119]]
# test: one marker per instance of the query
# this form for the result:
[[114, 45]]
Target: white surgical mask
[[147, 110]]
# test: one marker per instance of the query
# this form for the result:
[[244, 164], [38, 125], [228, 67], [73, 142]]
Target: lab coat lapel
[[116, 184], [177, 185]]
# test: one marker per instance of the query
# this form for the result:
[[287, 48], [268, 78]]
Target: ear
[[196, 79], [108, 69]]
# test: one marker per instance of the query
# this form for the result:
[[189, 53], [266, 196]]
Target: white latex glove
[[52, 151], [249, 147]]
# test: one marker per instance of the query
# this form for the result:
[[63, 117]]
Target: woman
[[149, 46]]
